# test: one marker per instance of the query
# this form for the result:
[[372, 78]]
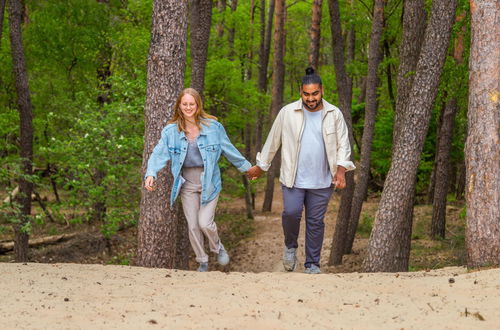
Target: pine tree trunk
[[277, 93], [200, 21], [265, 46], [25, 127], [371, 103], [232, 30], [442, 168], [482, 148], [158, 223], [389, 245], [221, 8], [344, 87], [2, 11], [315, 34], [414, 22]]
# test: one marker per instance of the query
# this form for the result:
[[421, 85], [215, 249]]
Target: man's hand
[[149, 184], [254, 172], [339, 178]]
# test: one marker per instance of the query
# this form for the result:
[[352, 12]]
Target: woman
[[193, 142]]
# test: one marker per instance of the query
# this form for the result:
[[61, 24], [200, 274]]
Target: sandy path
[[72, 296]]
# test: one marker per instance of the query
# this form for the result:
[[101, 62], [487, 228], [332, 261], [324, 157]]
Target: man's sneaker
[[203, 267], [312, 269], [290, 259], [222, 256]]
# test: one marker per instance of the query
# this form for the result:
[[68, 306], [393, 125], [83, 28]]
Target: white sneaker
[[290, 259], [222, 256]]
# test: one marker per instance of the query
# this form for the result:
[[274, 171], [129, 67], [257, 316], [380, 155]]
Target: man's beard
[[315, 105]]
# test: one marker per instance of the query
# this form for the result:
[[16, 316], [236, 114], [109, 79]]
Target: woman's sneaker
[[222, 256], [203, 267], [290, 259]]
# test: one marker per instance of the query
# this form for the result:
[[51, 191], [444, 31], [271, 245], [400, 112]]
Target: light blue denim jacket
[[212, 141]]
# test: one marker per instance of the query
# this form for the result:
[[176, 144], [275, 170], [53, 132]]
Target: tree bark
[[2, 11], [482, 148], [442, 170], [371, 103], [232, 30], [200, 21], [315, 34], [389, 245], [264, 49], [25, 127], [414, 22], [158, 223], [344, 87], [443, 161], [277, 93]]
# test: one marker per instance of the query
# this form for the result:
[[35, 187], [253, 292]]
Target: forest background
[[87, 65]]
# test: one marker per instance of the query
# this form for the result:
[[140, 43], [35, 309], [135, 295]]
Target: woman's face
[[188, 107]]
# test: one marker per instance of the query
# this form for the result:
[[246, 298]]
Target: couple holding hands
[[315, 154]]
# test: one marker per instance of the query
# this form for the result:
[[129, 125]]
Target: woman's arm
[[231, 153], [159, 157]]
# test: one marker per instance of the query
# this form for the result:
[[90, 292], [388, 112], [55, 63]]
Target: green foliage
[[365, 225]]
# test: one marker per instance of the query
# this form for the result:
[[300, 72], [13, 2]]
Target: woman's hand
[[149, 184]]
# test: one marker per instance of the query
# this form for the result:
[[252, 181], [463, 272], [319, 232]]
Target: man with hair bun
[[315, 154]]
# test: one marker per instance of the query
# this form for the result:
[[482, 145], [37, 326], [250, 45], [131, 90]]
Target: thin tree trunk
[[482, 148], [200, 22], [315, 34], [158, 223], [371, 103], [265, 46], [25, 127], [344, 87], [277, 93], [232, 30], [221, 7], [2, 11], [438, 223], [460, 181], [443, 162], [389, 245]]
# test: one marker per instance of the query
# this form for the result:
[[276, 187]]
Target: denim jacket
[[212, 141]]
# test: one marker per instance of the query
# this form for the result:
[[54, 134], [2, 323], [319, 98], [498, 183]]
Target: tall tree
[[315, 34], [344, 88], [277, 92], [482, 148], [371, 104], [232, 29], [200, 21], [25, 127], [413, 31], [264, 49], [389, 245], [443, 162], [158, 223], [2, 11]]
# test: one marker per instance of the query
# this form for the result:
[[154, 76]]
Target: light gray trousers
[[200, 218]]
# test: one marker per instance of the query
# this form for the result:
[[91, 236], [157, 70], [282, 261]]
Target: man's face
[[311, 96]]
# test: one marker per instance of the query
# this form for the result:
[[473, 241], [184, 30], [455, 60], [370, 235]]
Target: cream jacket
[[287, 132]]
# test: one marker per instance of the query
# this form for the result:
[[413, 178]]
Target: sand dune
[[74, 296]]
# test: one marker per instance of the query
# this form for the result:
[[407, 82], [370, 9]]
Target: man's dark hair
[[311, 77]]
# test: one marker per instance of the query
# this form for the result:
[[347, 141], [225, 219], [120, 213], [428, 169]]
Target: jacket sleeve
[[343, 145], [273, 143], [159, 157], [231, 153]]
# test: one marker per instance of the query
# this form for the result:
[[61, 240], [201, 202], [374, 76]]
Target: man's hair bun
[[309, 71]]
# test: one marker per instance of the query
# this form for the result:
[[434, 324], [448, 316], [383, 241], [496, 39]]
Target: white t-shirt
[[312, 166]]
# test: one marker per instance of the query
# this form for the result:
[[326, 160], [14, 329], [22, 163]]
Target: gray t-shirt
[[312, 166], [193, 155]]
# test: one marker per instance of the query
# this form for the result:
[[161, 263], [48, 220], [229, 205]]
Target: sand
[[75, 296]]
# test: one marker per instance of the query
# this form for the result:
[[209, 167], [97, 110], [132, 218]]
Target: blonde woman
[[193, 141]]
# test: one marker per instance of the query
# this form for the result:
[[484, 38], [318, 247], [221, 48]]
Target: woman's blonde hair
[[200, 115]]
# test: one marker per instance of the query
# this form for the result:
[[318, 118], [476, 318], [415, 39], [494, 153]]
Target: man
[[315, 153]]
